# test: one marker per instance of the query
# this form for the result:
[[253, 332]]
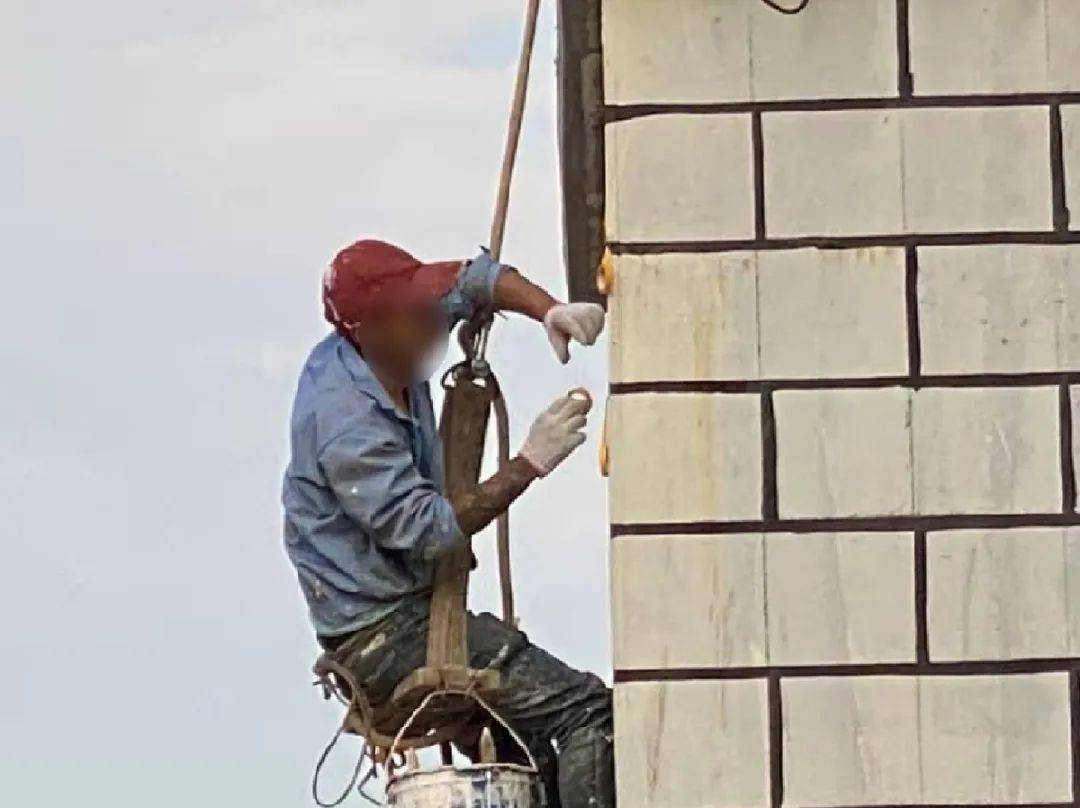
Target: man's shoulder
[[327, 396], [324, 373]]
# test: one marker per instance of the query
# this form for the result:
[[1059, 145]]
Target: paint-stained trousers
[[562, 714]]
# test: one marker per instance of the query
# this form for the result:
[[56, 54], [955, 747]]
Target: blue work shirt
[[365, 513]]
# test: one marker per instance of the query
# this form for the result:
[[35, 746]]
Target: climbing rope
[[479, 333], [475, 335]]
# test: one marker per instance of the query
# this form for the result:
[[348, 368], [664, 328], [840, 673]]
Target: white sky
[[173, 178]]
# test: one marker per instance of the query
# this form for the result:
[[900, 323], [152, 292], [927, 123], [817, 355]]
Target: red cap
[[371, 275]]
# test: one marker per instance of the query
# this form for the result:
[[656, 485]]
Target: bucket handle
[[470, 693]]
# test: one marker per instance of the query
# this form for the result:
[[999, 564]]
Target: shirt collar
[[365, 379]]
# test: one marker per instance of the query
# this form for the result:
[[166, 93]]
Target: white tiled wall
[[900, 288]]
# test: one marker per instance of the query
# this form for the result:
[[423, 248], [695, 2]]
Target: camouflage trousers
[[563, 715]]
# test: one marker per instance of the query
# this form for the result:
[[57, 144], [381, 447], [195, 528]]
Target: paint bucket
[[495, 785]]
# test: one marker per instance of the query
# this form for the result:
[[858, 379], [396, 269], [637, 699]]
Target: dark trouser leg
[[545, 701]]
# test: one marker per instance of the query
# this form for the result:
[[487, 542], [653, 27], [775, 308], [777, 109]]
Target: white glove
[[581, 322], [557, 432]]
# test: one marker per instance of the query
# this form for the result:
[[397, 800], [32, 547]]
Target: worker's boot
[[587, 770]]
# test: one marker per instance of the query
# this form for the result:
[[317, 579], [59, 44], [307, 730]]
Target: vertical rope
[[513, 134], [498, 233]]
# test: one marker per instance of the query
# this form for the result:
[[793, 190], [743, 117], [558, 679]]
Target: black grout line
[[911, 290], [776, 742], [995, 667], [848, 242], [621, 112], [758, 140], [1057, 170], [853, 524], [905, 81], [1068, 470], [922, 631], [769, 485], [1074, 732], [757, 386]]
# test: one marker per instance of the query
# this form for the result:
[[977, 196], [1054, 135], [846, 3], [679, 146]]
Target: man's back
[[348, 577]]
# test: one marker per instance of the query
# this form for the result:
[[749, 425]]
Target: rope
[[356, 702], [786, 9], [354, 779], [513, 134], [471, 693], [502, 524], [475, 336], [479, 333]]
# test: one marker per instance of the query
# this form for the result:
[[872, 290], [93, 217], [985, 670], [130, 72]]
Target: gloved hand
[[557, 432], [581, 322]]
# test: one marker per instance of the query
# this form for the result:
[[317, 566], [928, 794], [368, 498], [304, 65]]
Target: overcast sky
[[173, 179]]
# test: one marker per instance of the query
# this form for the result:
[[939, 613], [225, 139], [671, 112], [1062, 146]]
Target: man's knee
[[592, 706], [587, 769]]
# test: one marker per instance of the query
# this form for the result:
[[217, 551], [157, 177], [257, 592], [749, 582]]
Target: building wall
[[846, 369]]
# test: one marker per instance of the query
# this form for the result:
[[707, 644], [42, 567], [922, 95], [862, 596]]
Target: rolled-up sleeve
[[372, 473], [475, 288]]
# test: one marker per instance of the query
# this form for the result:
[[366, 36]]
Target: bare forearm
[[514, 292], [477, 508]]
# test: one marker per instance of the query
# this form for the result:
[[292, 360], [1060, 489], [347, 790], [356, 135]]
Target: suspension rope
[[475, 336], [478, 335], [513, 133]]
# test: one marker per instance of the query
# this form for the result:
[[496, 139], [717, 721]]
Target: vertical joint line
[[1057, 171], [776, 742], [1074, 732], [758, 143], [922, 631], [911, 294], [769, 486], [1068, 470], [905, 81]]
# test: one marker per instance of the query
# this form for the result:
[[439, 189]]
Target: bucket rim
[[476, 768]]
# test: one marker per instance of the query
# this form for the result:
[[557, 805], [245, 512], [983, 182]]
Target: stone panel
[[987, 450], [833, 173], [851, 741], [843, 452], [685, 457], [1003, 46], [717, 618], [684, 317], [883, 172], [691, 744], [707, 51], [1000, 308], [1003, 594], [995, 739], [840, 598], [934, 740], [685, 51], [680, 178], [832, 313], [971, 170]]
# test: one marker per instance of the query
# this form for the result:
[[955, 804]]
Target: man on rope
[[366, 515]]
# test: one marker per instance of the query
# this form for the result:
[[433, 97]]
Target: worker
[[366, 515]]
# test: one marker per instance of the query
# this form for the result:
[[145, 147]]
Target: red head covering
[[373, 275]]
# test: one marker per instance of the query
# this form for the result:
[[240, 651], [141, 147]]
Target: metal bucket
[[495, 785]]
